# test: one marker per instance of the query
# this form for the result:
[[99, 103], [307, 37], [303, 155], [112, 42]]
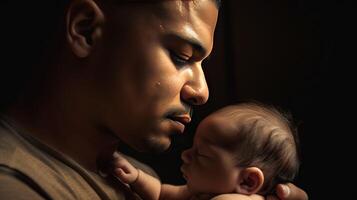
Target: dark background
[[295, 54]]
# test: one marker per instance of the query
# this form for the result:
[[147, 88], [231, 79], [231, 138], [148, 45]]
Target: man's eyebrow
[[193, 42]]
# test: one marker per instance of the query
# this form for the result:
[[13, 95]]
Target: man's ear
[[250, 180], [84, 23]]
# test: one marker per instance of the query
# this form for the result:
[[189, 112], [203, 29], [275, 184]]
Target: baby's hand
[[125, 171]]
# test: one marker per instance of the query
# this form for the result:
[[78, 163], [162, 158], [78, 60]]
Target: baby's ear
[[250, 180]]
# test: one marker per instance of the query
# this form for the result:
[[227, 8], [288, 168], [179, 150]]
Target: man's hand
[[126, 172], [288, 192]]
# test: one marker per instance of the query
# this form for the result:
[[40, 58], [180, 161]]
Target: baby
[[239, 152]]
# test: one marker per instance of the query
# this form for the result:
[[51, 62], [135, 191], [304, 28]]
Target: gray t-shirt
[[51, 173]]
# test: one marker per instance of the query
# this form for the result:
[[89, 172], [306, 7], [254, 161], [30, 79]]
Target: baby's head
[[246, 148]]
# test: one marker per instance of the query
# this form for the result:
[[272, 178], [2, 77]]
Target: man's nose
[[186, 156], [195, 91]]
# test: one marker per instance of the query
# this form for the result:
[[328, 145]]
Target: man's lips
[[180, 121], [178, 118], [183, 118]]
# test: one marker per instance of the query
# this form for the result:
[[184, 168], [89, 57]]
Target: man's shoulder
[[13, 160], [15, 151], [15, 188], [20, 154], [8, 145], [30, 166], [57, 176]]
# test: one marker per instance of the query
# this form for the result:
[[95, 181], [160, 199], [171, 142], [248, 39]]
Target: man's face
[[209, 166], [149, 71]]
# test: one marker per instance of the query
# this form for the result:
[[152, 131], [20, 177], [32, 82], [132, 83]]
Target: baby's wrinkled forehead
[[217, 128], [225, 124]]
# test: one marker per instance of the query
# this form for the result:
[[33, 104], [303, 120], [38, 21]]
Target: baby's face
[[209, 167]]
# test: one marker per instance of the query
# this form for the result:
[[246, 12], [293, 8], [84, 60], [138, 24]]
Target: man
[[118, 70]]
